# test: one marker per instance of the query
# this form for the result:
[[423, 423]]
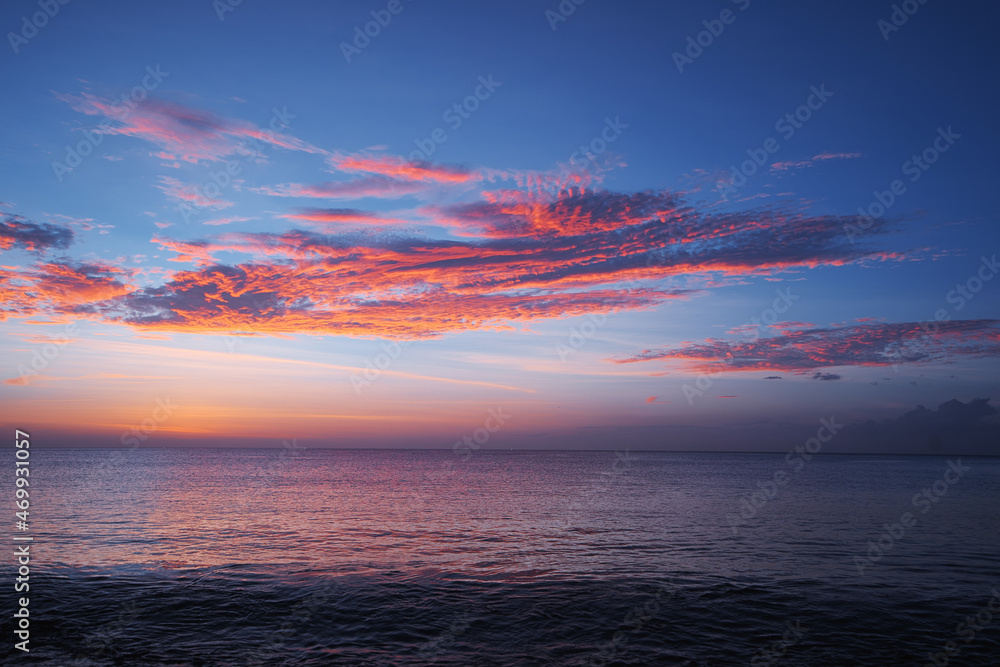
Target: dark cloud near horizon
[[954, 427]]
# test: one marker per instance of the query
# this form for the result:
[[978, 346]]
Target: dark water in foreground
[[250, 557]]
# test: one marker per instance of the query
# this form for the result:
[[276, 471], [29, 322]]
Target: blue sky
[[258, 305]]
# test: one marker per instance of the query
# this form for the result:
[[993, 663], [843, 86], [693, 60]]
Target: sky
[[694, 226]]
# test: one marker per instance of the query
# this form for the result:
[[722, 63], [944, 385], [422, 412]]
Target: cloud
[[380, 186], [19, 232], [389, 177], [513, 213], [400, 169], [59, 287], [190, 194], [197, 252], [274, 299], [789, 166], [773, 377], [331, 218], [227, 220], [516, 256], [861, 344], [184, 132], [67, 283], [953, 426], [86, 224]]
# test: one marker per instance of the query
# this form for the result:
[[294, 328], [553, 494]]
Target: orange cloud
[[521, 256], [396, 167], [19, 232]]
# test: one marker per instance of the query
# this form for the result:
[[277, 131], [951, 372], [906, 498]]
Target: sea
[[413, 557]]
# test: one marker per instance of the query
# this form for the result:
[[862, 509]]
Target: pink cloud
[[369, 186], [227, 221], [183, 132], [190, 194], [400, 169]]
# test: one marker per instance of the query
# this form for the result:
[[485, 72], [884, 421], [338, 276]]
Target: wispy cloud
[[332, 218], [387, 177], [398, 168], [227, 220], [383, 187], [794, 165], [862, 344], [190, 194], [184, 132]]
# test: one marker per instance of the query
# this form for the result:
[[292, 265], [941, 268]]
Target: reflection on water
[[433, 558]]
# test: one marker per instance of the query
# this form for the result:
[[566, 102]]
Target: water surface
[[315, 557]]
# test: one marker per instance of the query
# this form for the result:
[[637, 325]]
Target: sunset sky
[[249, 224]]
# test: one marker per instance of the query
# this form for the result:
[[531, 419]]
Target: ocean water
[[326, 557]]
